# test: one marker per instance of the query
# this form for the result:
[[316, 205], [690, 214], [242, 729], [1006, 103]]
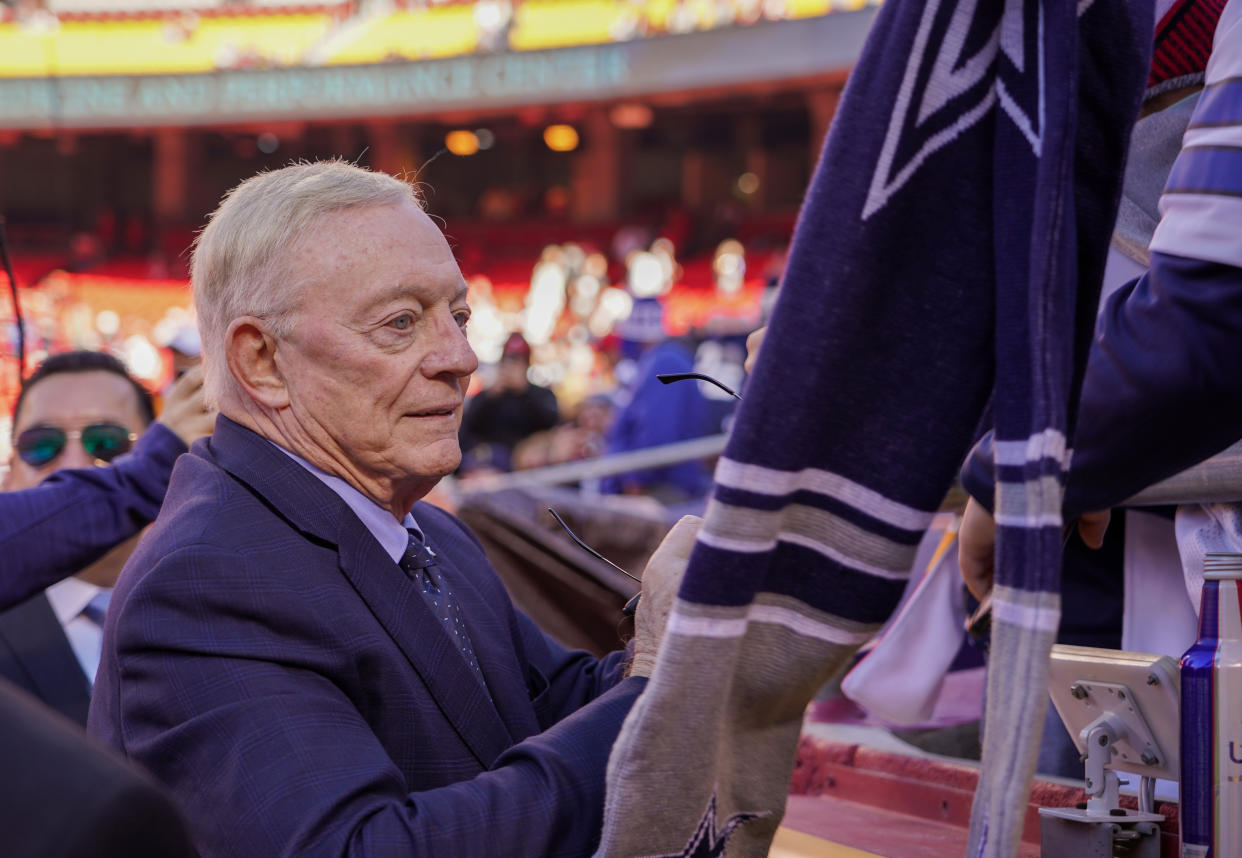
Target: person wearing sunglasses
[[89, 470], [59, 512], [78, 410]]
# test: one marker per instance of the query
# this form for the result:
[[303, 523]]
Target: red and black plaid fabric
[[1184, 40]]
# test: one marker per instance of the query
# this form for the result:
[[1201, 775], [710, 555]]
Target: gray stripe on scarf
[[819, 530], [774, 672]]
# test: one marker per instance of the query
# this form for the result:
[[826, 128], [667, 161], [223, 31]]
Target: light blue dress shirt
[[392, 535]]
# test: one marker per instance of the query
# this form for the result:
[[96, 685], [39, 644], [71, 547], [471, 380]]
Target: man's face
[[71, 401], [511, 373], [377, 362]]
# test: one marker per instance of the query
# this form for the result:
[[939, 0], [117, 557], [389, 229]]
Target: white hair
[[240, 259]]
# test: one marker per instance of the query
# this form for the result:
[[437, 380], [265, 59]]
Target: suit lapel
[[40, 648], [398, 604], [280, 482], [395, 601]]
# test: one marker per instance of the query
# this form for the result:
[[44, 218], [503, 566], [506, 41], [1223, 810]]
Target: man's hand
[[185, 411], [976, 552], [1092, 526], [753, 343], [976, 548], [661, 581]]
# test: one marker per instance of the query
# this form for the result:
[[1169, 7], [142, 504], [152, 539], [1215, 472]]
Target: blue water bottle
[[1211, 747]]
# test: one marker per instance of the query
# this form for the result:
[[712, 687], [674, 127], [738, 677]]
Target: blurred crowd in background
[[567, 360]]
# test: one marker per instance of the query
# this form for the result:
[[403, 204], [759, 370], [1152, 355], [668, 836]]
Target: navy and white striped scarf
[[951, 243]]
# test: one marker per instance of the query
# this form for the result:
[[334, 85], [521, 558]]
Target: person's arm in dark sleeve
[[978, 473], [1163, 384], [71, 519], [1162, 389]]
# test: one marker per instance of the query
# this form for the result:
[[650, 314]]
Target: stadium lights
[[560, 138], [461, 142], [631, 115]]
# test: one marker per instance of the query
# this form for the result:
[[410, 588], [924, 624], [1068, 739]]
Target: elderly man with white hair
[[312, 660]]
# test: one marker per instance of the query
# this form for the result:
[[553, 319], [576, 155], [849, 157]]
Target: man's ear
[[250, 351]]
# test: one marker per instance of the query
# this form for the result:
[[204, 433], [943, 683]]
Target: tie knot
[[418, 555]]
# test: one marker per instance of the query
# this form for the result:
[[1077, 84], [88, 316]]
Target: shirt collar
[[69, 597], [392, 535]]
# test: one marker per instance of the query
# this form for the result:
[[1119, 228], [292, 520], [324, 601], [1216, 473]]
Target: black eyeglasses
[[40, 445], [632, 605]]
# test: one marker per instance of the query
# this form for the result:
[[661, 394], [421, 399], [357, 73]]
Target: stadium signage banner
[[769, 52]]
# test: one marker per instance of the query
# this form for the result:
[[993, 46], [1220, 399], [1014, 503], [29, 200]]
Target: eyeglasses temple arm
[[670, 377], [588, 548]]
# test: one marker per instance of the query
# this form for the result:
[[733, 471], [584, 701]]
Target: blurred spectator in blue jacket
[[651, 414]]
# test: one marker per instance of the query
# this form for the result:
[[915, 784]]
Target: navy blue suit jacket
[[278, 671], [36, 656]]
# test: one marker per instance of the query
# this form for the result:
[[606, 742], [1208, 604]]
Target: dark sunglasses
[[40, 445]]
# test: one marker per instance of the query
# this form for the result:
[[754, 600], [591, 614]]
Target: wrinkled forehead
[[345, 255], [390, 241]]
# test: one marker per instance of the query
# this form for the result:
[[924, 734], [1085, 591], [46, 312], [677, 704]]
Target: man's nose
[[451, 352], [74, 456]]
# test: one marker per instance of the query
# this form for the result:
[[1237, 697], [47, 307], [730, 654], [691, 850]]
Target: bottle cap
[[1218, 567]]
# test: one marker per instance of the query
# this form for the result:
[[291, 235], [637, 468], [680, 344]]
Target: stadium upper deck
[[146, 37]]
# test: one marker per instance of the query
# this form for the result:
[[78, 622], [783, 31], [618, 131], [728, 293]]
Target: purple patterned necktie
[[419, 563]]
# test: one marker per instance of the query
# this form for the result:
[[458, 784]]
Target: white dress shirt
[[68, 598]]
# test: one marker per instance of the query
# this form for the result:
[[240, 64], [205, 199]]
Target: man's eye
[[402, 322], [462, 316]]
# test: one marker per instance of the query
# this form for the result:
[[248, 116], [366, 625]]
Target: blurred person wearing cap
[[311, 657], [186, 347], [507, 412]]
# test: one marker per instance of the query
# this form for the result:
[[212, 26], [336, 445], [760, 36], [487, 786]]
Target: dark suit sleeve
[[238, 715], [570, 678], [72, 518], [567, 679], [1162, 389]]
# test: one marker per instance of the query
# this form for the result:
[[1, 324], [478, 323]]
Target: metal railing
[[589, 471], [1217, 480]]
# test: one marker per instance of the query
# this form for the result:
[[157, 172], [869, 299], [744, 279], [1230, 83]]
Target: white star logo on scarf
[[707, 841], [981, 60]]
